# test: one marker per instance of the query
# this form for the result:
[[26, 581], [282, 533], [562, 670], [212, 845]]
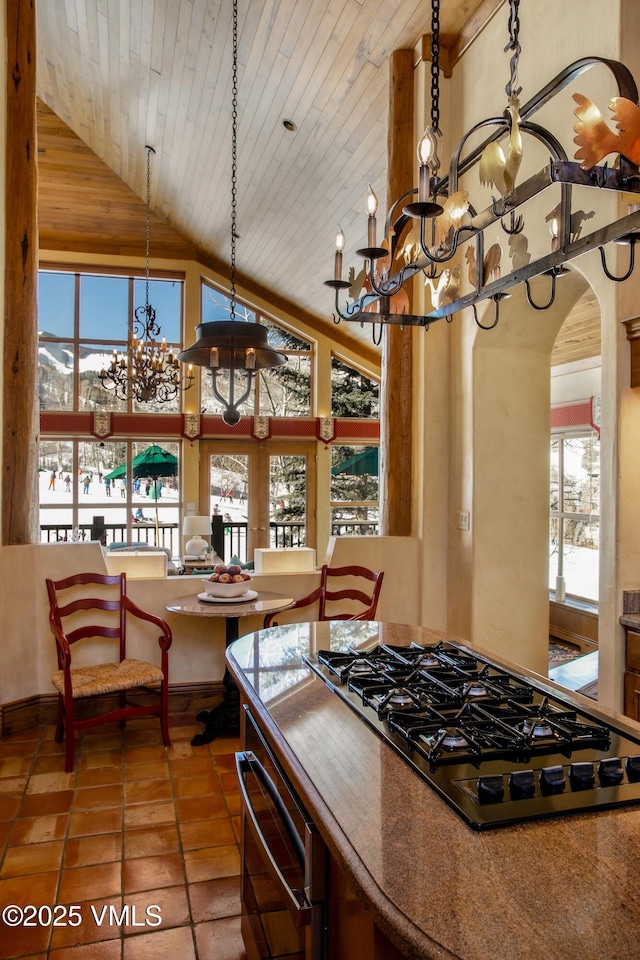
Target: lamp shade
[[194, 527]]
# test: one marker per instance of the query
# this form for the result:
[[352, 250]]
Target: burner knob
[[522, 785], [552, 780], [490, 789], [610, 772], [633, 769], [582, 776]]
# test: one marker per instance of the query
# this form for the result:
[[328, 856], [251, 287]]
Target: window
[[85, 489], [283, 391], [354, 490], [575, 514], [352, 393], [82, 318]]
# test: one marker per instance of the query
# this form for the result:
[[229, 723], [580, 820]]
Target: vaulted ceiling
[[123, 75], [113, 77]]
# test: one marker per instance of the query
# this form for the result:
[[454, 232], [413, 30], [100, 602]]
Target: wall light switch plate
[[464, 520]]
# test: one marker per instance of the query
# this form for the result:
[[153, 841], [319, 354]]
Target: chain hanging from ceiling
[[233, 350], [149, 371]]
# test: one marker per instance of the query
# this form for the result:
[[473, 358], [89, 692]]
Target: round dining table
[[224, 720]]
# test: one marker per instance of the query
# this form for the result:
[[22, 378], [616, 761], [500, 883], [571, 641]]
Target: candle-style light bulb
[[337, 270], [372, 206], [426, 147], [214, 357], [553, 230]]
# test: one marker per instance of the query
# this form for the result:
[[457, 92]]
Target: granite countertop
[[556, 889]]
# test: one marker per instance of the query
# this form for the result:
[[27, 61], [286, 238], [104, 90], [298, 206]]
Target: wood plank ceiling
[[113, 77]]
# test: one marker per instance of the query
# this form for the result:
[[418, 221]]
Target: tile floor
[[135, 825]]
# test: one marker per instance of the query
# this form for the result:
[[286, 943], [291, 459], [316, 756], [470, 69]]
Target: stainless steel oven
[[284, 860]]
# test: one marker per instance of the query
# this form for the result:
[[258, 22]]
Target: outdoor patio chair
[[76, 603], [339, 604]]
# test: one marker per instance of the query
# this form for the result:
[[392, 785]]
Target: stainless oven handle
[[247, 761]]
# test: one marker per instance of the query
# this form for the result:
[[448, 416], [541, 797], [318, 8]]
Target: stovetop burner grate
[[499, 747]]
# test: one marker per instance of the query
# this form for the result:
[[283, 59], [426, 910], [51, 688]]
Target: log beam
[[397, 352], [20, 395]]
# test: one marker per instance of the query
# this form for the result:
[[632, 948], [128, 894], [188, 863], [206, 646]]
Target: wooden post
[[397, 355], [20, 366]]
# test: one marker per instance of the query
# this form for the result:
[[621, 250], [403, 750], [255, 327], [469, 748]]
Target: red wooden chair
[[331, 602], [72, 616]]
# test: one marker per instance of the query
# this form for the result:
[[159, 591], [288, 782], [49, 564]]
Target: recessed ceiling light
[[289, 125]]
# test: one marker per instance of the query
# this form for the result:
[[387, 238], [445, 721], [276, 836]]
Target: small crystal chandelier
[[149, 371], [239, 346]]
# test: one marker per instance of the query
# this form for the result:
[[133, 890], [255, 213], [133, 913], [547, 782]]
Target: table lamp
[[194, 527]]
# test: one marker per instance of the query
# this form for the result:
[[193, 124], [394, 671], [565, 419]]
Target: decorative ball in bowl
[[227, 581]]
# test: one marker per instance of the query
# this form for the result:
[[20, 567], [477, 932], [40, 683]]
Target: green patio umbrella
[[152, 463], [360, 464]]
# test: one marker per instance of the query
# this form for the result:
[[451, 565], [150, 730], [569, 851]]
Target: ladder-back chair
[[92, 605], [339, 604]]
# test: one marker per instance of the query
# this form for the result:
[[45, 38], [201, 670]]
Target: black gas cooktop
[[498, 747]]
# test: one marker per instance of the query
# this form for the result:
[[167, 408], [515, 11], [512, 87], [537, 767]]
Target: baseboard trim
[[41, 709]]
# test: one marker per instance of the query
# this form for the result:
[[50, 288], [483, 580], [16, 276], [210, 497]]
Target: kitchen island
[[562, 888]]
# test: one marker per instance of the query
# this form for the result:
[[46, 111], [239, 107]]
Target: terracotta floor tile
[[32, 858], [38, 887], [11, 748], [151, 841], [39, 804], [13, 787], [237, 827], [155, 770], [101, 758], [225, 745], [99, 776], [92, 798], [207, 833], [141, 815], [90, 822], [18, 941], [90, 930], [149, 873], [40, 829], [197, 786], [192, 766], [147, 737], [6, 826], [229, 782], [214, 899], [147, 791], [105, 950], [15, 767], [93, 742], [211, 863], [82, 851], [225, 762], [176, 943], [172, 904], [142, 754], [49, 748], [9, 807], [181, 750], [52, 763], [232, 801], [201, 808], [90, 883], [220, 938], [51, 782]]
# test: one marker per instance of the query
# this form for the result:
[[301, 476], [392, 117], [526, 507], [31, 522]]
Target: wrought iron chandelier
[[237, 346], [448, 220], [149, 371]]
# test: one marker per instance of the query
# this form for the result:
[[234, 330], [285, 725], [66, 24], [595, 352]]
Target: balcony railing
[[229, 537]]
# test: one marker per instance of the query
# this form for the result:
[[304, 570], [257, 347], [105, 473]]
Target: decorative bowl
[[217, 589]]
